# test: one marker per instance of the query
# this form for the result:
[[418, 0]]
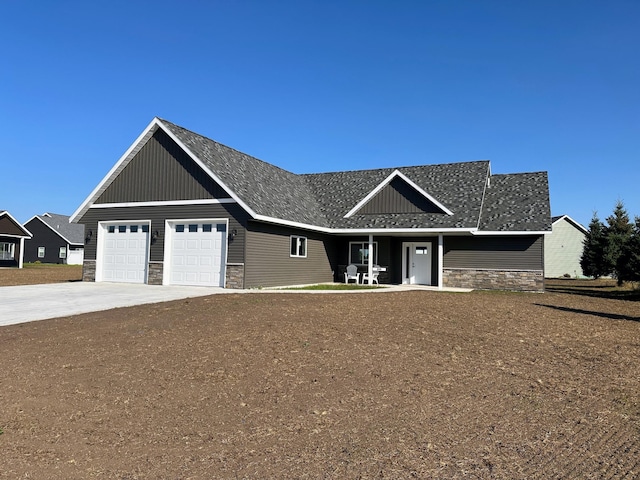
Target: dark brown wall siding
[[398, 197], [7, 227], [158, 214], [268, 262], [161, 171], [499, 252]]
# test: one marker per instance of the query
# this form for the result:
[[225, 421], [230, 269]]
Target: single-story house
[[180, 208], [12, 237], [563, 248], [54, 240]]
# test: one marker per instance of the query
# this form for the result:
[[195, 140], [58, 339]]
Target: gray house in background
[[180, 208], [12, 238], [54, 240]]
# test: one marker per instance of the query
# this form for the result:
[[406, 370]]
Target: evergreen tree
[[618, 233], [629, 260], [593, 260]]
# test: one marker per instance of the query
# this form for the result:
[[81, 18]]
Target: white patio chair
[[351, 274], [374, 278]]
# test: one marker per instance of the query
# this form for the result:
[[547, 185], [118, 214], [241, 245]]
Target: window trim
[[62, 253], [364, 244], [44, 250], [298, 244]]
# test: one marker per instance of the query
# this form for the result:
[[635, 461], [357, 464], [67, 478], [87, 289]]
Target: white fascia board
[[360, 231], [165, 203], [578, 225], [20, 226], [518, 232], [109, 177], [206, 169], [53, 230], [385, 182]]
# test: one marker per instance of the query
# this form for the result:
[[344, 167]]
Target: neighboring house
[[12, 237], [55, 240], [179, 208], [563, 248]]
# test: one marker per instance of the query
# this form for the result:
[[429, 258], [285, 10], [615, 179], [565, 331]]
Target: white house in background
[[563, 248]]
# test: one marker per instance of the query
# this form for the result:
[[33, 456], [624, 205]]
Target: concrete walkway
[[40, 302]]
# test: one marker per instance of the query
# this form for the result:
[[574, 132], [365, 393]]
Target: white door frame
[[168, 231], [408, 273], [102, 230]]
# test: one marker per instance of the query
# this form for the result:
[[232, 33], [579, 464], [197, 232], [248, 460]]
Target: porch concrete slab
[[39, 302]]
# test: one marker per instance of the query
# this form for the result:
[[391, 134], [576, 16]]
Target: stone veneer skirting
[[235, 275], [155, 273], [518, 280], [89, 271]]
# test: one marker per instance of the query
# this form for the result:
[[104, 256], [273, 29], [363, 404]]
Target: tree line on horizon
[[613, 249]]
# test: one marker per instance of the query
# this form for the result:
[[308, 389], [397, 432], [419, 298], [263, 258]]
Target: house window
[[298, 246], [63, 252], [359, 253], [40, 252], [7, 251]]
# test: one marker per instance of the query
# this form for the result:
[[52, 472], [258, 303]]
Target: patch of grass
[[335, 286], [601, 288]]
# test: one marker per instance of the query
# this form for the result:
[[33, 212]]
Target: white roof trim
[[115, 170], [578, 225], [206, 169], [129, 155], [515, 232], [385, 182], [163, 203], [37, 217], [22, 227]]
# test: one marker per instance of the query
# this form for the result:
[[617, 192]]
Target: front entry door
[[416, 263]]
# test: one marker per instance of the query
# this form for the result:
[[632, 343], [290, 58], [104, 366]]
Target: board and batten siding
[[158, 214], [494, 252], [161, 171], [398, 197], [563, 250], [268, 262]]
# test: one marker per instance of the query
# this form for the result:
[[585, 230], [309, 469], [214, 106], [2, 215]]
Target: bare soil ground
[[298, 385], [38, 273]]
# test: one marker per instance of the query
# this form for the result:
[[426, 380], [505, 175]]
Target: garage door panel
[[125, 253], [197, 253]]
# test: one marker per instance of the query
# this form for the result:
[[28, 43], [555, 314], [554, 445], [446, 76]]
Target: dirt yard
[[310, 386], [38, 273]]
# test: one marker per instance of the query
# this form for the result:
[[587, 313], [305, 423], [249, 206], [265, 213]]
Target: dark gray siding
[[43, 236], [161, 171], [268, 262], [496, 252], [398, 197], [158, 214]]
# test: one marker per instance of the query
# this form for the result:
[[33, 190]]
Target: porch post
[[21, 259], [440, 259], [370, 263]]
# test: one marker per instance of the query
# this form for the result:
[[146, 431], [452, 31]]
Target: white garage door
[[198, 253], [125, 252]]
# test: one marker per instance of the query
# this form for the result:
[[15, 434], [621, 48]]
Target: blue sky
[[315, 86]]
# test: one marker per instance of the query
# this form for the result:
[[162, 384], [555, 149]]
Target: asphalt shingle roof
[[72, 232], [513, 202]]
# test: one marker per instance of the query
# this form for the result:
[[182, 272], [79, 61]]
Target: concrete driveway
[[39, 302]]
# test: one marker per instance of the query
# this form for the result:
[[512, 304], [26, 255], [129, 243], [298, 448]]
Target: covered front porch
[[402, 259]]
